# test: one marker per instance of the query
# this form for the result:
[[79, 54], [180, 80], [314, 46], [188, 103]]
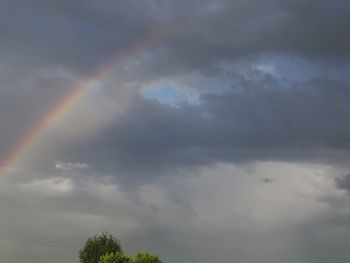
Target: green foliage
[[105, 248], [97, 246], [121, 258], [115, 258], [145, 258]]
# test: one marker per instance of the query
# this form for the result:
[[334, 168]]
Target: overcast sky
[[226, 138]]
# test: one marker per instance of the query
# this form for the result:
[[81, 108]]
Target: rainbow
[[75, 95]]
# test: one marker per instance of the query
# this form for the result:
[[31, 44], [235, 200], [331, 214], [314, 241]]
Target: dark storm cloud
[[256, 119], [252, 121], [75, 34], [83, 34], [316, 30], [343, 182]]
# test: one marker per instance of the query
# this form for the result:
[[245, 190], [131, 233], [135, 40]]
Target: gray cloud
[[267, 180], [343, 182], [83, 34], [224, 207], [263, 94], [254, 120]]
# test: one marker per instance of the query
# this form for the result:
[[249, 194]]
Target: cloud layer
[[223, 140]]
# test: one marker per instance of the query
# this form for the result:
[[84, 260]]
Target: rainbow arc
[[76, 94]]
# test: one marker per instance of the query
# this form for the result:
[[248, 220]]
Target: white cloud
[[234, 195], [51, 186], [71, 166]]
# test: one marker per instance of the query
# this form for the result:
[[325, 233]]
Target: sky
[[219, 130]]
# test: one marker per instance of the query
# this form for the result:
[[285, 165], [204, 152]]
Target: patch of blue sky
[[168, 94]]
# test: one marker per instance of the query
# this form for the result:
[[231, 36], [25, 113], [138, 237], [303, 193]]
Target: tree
[[145, 258], [97, 246], [115, 258]]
